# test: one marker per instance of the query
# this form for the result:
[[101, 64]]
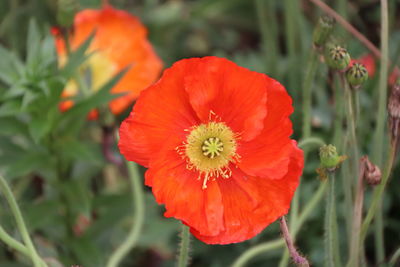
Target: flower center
[[208, 149]]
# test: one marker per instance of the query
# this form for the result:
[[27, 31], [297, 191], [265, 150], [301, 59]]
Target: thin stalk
[[183, 257], [311, 141], [394, 258], [378, 146], [15, 244], [331, 239], [12, 243], [270, 245], [257, 250], [355, 256], [306, 89], [138, 203], [290, 29], [20, 222], [378, 193], [294, 254], [267, 24]]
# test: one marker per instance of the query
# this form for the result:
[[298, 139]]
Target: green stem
[[331, 244], [311, 141], [307, 86], [20, 222], [138, 203], [267, 24], [394, 258], [378, 147], [183, 258], [270, 245], [355, 256], [12, 243]]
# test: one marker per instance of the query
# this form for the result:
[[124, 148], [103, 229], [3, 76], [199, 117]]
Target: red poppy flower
[[120, 41], [216, 140]]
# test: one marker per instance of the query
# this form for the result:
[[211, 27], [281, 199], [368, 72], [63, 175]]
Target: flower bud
[[329, 156], [394, 111], [356, 75], [337, 58], [372, 174], [66, 10], [323, 30]]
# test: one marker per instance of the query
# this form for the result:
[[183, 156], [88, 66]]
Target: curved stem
[[270, 245], [12, 243], [20, 222], [183, 258], [138, 202], [394, 258], [294, 254], [257, 250], [311, 141]]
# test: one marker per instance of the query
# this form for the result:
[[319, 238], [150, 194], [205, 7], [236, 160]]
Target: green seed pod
[[66, 10], [357, 75], [337, 58], [329, 157], [323, 30]]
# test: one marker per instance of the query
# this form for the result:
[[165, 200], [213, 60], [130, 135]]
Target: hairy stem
[[294, 254], [270, 245], [357, 217], [138, 203], [183, 257]]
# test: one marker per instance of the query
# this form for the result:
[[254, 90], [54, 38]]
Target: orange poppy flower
[[120, 41], [216, 140]]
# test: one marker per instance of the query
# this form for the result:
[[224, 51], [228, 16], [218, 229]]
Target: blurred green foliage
[[54, 160]]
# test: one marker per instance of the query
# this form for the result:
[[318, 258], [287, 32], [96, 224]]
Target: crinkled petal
[[235, 94], [181, 192], [161, 111], [252, 203], [268, 155]]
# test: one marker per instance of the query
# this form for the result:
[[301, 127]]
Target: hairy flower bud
[[394, 111], [329, 156], [356, 75], [337, 57], [372, 174], [323, 30]]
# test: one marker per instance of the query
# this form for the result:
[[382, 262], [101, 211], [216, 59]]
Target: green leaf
[[33, 43], [29, 162], [88, 254], [39, 127], [10, 108], [12, 126], [76, 58], [76, 150], [11, 68], [28, 98]]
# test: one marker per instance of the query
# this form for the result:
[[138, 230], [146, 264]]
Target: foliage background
[[37, 142]]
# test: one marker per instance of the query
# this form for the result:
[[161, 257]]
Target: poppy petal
[[180, 190], [236, 95], [252, 203], [156, 116], [268, 154]]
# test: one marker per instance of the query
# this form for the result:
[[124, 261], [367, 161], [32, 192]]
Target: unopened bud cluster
[[337, 57], [323, 30], [329, 156], [356, 75]]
